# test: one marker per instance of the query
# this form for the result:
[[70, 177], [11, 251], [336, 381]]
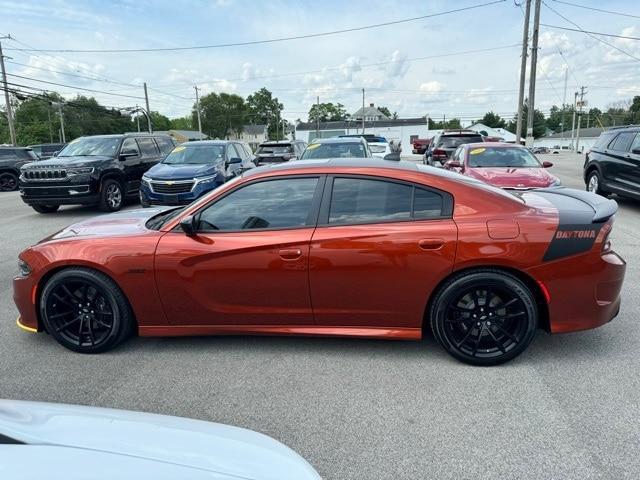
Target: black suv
[[279, 151], [612, 165], [445, 143], [46, 150], [11, 159], [98, 170]]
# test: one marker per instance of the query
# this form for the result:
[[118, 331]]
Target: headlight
[[209, 179], [80, 171], [146, 179], [24, 268]]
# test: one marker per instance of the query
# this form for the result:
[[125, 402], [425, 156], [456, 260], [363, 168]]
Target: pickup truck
[[420, 145]]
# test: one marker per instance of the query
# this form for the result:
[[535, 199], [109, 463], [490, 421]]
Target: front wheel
[[484, 317], [594, 183], [85, 311], [111, 196], [45, 208], [8, 181]]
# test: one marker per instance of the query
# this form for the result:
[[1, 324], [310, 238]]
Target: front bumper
[[24, 296], [147, 195], [60, 193]]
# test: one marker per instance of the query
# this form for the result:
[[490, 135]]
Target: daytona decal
[[571, 240]]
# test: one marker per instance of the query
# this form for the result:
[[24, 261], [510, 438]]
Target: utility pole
[[579, 118], [532, 76], [198, 109], [363, 111], [59, 105], [573, 122], [564, 102], [523, 69], [138, 117], [317, 116], [7, 99], [146, 100]]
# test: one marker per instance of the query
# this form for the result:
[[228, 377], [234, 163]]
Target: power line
[[272, 40], [598, 9], [591, 35], [591, 32]]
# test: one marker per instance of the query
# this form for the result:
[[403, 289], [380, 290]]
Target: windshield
[[200, 155], [453, 142], [92, 147], [378, 147], [502, 157], [334, 150], [277, 149]]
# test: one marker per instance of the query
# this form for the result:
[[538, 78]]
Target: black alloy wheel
[[484, 317], [8, 182], [85, 311], [111, 195]]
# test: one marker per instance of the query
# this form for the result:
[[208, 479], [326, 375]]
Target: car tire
[[594, 182], [111, 195], [143, 202], [85, 311], [484, 317], [45, 208], [8, 182]]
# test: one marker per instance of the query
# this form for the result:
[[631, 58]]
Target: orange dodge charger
[[350, 247]]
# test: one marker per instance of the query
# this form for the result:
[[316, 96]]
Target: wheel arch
[[59, 267], [7, 168], [113, 174], [528, 280], [590, 168]]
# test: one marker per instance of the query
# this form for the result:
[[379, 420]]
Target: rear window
[[622, 141], [315, 151], [378, 147], [274, 149], [453, 142], [604, 139]]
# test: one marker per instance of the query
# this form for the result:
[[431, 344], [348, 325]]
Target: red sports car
[[503, 165], [353, 247]]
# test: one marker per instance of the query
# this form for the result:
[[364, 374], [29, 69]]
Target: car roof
[[340, 140], [9, 147], [491, 145], [206, 143], [125, 135], [278, 142]]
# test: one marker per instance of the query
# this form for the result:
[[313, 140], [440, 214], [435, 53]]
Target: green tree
[[451, 124], [327, 112], [539, 123], [181, 123], [556, 116], [221, 114], [385, 111], [264, 109], [159, 121], [493, 120]]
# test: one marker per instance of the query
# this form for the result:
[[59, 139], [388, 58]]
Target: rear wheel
[[45, 208], [8, 181], [594, 183], [111, 195], [484, 317], [85, 311]]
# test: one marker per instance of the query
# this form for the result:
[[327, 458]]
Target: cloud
[[398, 66], [56, 69], [433, 86]]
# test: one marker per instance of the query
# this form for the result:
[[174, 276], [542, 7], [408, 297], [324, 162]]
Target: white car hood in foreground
[[75, 442]]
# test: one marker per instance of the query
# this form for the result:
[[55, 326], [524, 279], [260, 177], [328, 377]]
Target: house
[[566, 140], [405, 130], [371, 114], [182, 136], [481, 128], [254, 135]]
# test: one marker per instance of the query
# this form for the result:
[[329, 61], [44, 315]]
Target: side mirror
[[452, 164], [546, 164], [234, 161], [127, 154], [188, 225], [55, 154], [636, 151]]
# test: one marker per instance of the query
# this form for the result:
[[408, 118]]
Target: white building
[[371, 114], [254, 135], [588, 137], [405, 130]]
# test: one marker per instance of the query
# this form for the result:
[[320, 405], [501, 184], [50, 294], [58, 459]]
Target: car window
[[232, 152], [635, 145], [361, 200], [195, 155], [487, 157], [316, 151], [426, 204], [282, 203], [148, 147], [130, 144], [622, 142], [164, 144], [452, 142], [6, 152]]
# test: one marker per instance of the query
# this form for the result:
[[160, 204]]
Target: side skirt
[[362, 332]]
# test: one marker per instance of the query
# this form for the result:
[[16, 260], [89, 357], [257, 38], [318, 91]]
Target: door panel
[[378, 275], [235, 278]]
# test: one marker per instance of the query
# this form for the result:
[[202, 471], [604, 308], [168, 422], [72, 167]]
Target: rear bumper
[[584, 290]]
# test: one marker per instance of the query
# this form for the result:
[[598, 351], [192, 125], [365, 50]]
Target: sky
[[460, 64]]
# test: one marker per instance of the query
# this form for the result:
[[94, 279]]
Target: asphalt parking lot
[[567, 408]]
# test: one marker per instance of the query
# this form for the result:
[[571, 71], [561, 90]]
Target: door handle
[[430, 243], [290, 254]]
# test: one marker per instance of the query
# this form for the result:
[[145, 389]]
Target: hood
[[228, 452], [62, 162], [185, 171], [129, 222], [508, 177]]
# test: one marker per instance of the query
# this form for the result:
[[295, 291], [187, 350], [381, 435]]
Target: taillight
[[438, 153]]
